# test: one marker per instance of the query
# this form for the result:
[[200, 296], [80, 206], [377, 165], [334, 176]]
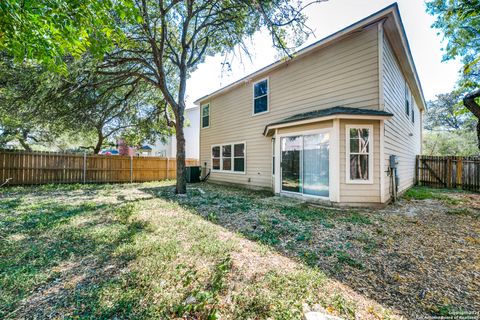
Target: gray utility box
[[193, 174]]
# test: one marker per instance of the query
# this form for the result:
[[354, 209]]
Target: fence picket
[[448, 172], [26, 168]]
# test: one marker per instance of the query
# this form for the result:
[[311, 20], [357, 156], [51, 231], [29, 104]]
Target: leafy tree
[[93, 103], [169, 39], [48, 30], [449, 127], [448, 113], [447, 143], [42, 107], [22, 118], [460, 22], [159, 42]]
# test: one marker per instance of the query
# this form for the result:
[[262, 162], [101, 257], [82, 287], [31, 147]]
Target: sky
[[326, 18]]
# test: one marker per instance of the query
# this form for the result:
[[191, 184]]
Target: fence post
[[84, 167], [449, 172], [131, 169], [459, 172], [167, 168], [417, 159]]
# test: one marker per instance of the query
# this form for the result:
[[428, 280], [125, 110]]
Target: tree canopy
[[157, 42], [23, 118], [169, 39], [460, 22], [43, 108], [447, 113], [46, 31], [449, 127]]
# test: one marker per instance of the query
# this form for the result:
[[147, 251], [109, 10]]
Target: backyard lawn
[[140, 251]]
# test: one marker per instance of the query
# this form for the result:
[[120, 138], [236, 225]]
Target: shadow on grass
[[293, 229], [58, 258]]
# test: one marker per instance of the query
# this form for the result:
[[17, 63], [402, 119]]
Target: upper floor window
[[413, 112], [205, 115], [260, 96], [407, 100], [359, 154]]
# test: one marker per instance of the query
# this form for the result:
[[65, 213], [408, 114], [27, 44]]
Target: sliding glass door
[[305, 164], [291, 163]]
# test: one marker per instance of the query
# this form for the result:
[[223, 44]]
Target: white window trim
[[408, 97], [412, 112], [370, 154], [201, 115], [232, 157], [331, 160], [268, 97]]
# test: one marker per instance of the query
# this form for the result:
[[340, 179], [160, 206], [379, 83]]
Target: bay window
[[359, 154]]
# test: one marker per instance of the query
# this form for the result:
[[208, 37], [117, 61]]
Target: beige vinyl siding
[[344, 73], [360, 193], [398, 140], [306, 127]]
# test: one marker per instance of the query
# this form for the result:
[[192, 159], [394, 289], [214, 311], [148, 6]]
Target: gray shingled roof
[[329, 112]]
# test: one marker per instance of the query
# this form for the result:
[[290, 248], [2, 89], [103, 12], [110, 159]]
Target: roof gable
[[394, 30]]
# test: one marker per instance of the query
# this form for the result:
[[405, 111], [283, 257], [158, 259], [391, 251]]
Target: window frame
[[201, 115], [407, 100], [267, 95], [348, 180], [413, 109], [212, 157], [232, 157]]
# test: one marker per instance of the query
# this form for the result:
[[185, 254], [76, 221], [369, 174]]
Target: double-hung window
[[229, 157], [205, 110], [239, 157], [359, 154], [260, 96], [216, 158]]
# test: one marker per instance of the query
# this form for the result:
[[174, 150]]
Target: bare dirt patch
[[140, 251]]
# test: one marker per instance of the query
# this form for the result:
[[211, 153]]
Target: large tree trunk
[[472, 105], [25, 145], [23, 141], [98, 146], [181, 174]]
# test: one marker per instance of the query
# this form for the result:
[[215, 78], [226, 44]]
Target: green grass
[[424, 193], [356, 218], [139, 251]]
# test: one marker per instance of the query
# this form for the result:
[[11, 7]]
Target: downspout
[[381, 106]]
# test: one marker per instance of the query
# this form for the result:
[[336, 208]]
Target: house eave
[[373, 18], [391, 11], [270, 129]]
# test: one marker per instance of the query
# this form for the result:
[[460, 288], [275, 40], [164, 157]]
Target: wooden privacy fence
[[449, 172], [23, 168]]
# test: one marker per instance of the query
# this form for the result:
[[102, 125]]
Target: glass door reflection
[[305, 164], [291, 162]]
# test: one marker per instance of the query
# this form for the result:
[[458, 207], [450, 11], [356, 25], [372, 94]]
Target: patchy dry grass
[[140, 251]]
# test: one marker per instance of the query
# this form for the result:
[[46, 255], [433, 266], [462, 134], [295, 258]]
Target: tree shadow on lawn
[[59, 259], [351, 246]]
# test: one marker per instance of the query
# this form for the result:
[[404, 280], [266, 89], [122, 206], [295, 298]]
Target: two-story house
[[323, 124]]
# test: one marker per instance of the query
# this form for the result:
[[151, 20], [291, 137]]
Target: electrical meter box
[[393, 161]]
